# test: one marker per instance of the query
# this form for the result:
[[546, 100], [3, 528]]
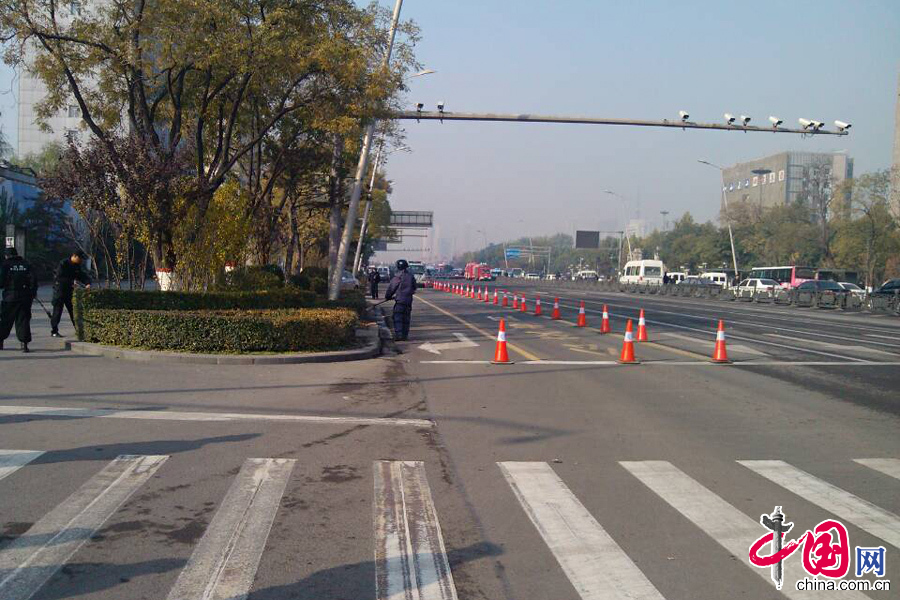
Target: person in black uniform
[[67, 273], [401, 290], [374, 280], [19, 289]]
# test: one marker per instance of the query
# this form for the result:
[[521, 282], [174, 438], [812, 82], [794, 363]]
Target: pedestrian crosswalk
[[410, 555]]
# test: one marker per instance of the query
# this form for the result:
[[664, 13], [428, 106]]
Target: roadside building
[[786, 178]]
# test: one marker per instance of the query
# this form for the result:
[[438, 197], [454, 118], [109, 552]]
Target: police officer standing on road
[[19, 289], [401, 290], [374, 280], [67, 273]]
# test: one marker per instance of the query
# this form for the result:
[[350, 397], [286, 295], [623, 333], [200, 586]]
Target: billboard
[[587, 239]]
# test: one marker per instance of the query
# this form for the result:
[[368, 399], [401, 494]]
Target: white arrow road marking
[[464, 342]]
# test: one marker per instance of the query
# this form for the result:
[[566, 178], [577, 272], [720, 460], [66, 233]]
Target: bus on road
[[788, 277]]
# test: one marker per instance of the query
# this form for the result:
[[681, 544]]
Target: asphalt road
[[431, 473]]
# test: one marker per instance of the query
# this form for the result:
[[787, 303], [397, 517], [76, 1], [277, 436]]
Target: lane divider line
[[518, 350], [174, 415]]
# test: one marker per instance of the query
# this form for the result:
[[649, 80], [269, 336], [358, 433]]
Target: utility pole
[[357, 260], [895, 168], [727, 218], [334, 286]]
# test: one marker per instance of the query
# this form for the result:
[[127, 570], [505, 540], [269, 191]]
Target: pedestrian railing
[[824, 299]]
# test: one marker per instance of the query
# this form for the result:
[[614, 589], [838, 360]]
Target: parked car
[[348, 281], [550, 276], [586, 275], [853, 288], [891, 287], [532, 276], [757, 285], [696, 283]]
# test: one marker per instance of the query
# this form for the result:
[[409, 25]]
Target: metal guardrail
[[802, 299]]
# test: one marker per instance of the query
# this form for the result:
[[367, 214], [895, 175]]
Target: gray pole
[[334, 286], [357, 260], [727, 218], [415, 115]]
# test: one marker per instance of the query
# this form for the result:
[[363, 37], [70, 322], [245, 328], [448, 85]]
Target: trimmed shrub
[[251, 278], [221, 331], [136, 300]]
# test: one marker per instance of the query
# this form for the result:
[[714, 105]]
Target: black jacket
[[402, 288], [67, 273], [17, 280], [374, 277]]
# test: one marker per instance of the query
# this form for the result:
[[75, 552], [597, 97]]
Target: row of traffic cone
[[720, 353]]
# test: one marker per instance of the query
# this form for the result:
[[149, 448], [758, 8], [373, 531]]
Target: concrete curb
[[371, 349]]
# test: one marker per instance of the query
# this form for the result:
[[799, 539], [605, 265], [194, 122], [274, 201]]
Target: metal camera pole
[[334, 286]]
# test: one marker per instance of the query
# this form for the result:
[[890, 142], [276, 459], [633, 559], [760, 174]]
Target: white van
[[720, 279], [644, 272], [676, 276]]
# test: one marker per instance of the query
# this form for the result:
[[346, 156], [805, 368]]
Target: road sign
[[587, 239], [513, 253]]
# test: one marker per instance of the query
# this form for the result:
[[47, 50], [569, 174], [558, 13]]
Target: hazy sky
[[822, 59]]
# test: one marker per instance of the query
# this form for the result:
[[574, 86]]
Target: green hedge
[[136, 300], [311, 329]]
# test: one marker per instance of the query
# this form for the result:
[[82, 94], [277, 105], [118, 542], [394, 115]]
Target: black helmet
[[402, 265]]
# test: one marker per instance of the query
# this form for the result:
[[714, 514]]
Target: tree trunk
[[293, 242]]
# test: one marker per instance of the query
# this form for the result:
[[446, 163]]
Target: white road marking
[[462, 342], [13, 460], [595, 564], [710, 343], [888, 466], [886, 337], [679, 363], [865, 515], [410, 558], [175, 415], [32, 558], [833, 346], [224, 563], [725, 524]]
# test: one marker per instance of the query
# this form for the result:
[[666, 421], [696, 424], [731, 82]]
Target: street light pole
[[727, 218], [334, 286], [357, 260]]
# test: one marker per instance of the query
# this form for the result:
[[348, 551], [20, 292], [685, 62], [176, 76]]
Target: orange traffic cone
[[505, 299], [495, 297], [487, 295], [720, 354], [627, 357], [642, 328], [582, 319], [500, 355], [515, 302], [604, 324], [537, 307], [471, 291], [555, 314], [523, 306], [478, 296]]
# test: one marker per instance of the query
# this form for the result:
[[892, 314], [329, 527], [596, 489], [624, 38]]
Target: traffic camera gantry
[[810, 126]]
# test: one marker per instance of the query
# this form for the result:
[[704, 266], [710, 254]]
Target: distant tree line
[[857, 230]]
